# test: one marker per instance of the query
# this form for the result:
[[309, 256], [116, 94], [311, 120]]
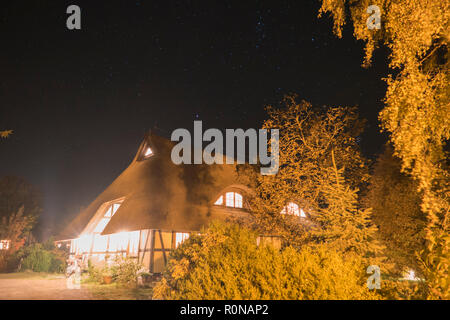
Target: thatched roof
[[158, 194]]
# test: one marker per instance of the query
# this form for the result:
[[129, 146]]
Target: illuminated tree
[[321, 168], [417, 106], [340, 223], [395, 202]]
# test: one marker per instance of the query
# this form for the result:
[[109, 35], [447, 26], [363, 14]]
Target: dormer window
[[219, 201], [232, 200], [109, 213], [148, 152], [293, 209]]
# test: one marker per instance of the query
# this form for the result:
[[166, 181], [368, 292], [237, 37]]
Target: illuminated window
[[232, 199], [229, 196], [293, 209], [5, 244], [82, 244], [118, 242], [100, 243], [180, 237], [101, 225], [148, 152], [219, 201], [237, 200], [109, 213], [134, 242]]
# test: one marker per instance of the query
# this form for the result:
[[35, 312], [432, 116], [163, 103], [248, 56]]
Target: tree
[[313, 144], [393, 197], [417, 106], [14, 229], [20, 207], [226, 263], [340, 224], [16, 192]]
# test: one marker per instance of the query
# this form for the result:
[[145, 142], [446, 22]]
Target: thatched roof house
[[153, 206]]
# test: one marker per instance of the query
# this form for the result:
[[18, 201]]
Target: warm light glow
[[100, 243], [118, 242], [133, 242], [219, 201], [115, 207], [229, 199], [237, 200], [293, 209], [180, 237], [411, 275], [109, 213], [5, 244], [101, 225], [148, 152], [82, 245], [233, 199], [302, 213]]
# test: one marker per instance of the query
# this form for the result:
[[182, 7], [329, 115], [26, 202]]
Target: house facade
[[154, 205]]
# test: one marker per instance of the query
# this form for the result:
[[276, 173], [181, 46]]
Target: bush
[[403, 290], [41, 258], [124, 271], [225, 263], [95, 274]]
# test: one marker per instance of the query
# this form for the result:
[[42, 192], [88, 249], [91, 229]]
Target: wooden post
[[162, 247], [152, 251]]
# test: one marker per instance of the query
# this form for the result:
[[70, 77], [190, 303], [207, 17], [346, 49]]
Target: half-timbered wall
[[150, 247]]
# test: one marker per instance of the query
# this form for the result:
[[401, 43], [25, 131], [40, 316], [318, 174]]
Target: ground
[[38, 286]]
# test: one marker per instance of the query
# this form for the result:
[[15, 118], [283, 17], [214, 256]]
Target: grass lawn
[[31, 275], [116, 292]]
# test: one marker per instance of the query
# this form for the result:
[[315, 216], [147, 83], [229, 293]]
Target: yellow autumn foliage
[[225, 262]]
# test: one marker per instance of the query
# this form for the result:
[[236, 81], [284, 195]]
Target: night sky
[[80, 101]]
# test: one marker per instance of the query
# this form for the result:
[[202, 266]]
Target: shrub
[[126, 270], [403, 290], [41, 258], [95, 274], [226, 263]]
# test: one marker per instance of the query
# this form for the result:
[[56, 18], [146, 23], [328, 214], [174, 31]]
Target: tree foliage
[[15, 193], [20, 206], [417, 106], [226, 263], [395, 202], [41, 257], [5, 133], [340, 223], [321, 168], [14, 228]]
